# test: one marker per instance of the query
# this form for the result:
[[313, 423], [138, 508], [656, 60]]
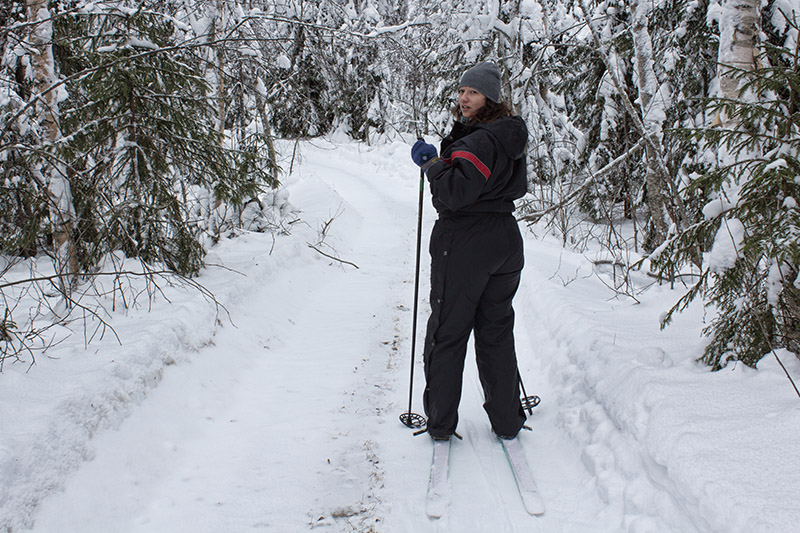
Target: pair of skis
[[439, 493]]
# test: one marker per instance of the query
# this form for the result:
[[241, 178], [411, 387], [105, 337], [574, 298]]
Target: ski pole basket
[[412, 420], [529, 402]]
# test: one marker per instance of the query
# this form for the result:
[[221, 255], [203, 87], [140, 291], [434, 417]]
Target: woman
[[476, 255]]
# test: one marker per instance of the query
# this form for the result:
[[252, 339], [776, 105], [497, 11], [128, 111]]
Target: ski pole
[[409, 419]]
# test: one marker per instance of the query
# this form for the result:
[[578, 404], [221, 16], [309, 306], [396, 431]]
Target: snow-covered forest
[[142, 141]]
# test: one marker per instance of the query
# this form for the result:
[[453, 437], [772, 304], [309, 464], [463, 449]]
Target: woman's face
[[470, 101]]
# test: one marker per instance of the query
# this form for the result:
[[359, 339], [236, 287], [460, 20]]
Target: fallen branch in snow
[[323, 234], [36, 293], [313, 247], [53, 277], [622, 285]]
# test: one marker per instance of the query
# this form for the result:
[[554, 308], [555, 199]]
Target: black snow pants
[[476, 260]]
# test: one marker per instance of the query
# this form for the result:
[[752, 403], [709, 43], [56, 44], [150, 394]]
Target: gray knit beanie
[[485, 77]]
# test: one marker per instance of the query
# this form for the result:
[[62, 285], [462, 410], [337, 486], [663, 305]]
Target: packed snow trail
[[278, 425], [289, 420], [284, 417]]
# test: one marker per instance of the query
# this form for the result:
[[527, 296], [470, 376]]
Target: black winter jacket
[[482, 168]]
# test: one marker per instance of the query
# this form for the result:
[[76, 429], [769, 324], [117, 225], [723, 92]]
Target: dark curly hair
[[489, 112]]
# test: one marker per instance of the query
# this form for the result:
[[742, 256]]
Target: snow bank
[[50, 413], [671, 446]]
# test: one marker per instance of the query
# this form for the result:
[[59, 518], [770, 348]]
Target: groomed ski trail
[[289, 421]]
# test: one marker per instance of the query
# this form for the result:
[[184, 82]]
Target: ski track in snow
[[285, 417]]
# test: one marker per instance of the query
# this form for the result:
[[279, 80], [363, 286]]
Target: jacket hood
[[511, 133]]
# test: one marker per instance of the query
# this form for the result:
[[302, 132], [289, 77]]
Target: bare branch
[[330, 256], [588, 182]]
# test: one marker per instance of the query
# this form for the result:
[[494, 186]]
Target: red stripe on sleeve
[[472, 158]]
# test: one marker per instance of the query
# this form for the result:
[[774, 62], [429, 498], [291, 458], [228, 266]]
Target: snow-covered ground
[[283, 416]]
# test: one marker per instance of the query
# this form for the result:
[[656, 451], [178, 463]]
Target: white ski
[[438, 493], [522, 473]]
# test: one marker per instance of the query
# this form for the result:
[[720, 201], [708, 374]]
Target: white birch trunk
[[739, 25], [218, 52], [272, 155], [658, 190], [647, 82], [507, 44], [62, 210]]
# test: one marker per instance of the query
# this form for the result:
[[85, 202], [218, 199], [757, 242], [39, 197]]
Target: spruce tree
[[750, 230], [141, 133]]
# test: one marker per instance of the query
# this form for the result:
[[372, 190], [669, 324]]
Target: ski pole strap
[[428, 164]]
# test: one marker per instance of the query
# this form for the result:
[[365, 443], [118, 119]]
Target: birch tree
[[739, 24], [653, 99], [49, 170], [749, 229]]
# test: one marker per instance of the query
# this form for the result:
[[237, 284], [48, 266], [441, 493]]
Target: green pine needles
[[747, 237], [142, 136]]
